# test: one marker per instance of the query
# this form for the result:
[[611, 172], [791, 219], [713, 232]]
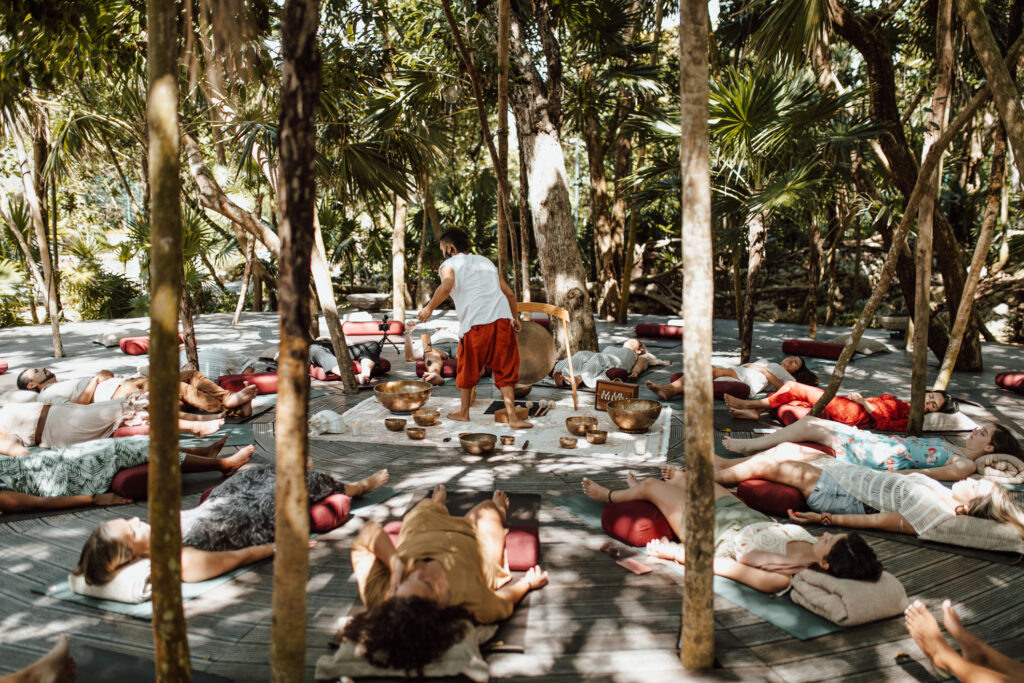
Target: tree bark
[[816, 250], [170, 637], [398, 293], [248, 248], [755, 258], [525, 219], [506, 229], [188, 325], [431, 221], [698, 630], [300, 88], [26, 251]]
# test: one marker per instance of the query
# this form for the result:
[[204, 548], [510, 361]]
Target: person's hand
[[397, 574], [516, 324], [855, 397], [109, 499], [804, 517], [535, 577], [667, 550], [424, 315]]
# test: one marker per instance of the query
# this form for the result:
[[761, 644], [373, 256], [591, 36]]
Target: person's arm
[[517, 590], [11, 446], [862, 402], [955, 469], [883, 521], [85, 398], [374, 541], [638, 367], [440, 294], [758, 579], [200, 565], [513, 306], [12, 501], [772, 379]]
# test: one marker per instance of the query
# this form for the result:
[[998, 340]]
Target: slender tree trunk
[[698, 630], [188, 325], [926, 214], [525, 220], [422, 295], [248, 249], [398, 293], [300, 89], [506, 228], [325, 292], [814, 278], [737, 288], [600, 216], [257, 294], [431, 222], [755, 258], [26, 251], [169, 633]]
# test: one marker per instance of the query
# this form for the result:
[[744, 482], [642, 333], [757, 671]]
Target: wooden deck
[[594, 620]]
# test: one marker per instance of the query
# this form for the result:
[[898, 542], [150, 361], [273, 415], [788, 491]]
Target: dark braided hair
[[852, 558], [407, 633]]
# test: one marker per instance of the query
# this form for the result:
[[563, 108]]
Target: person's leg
[[784, 451], [410, 352], [366, 366], [56, 666], [976, 650], [322, 358], [489, 517], [925, 631], [199, 427], [805, 429], [226, 466], [799, 474], [130, 386], [514, 421], [468, 374], [200, 392], [370, 483], [669, 498], [758, 404], [666, 392]]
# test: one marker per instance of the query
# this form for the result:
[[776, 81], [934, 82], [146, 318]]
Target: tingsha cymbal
[[536, 352]]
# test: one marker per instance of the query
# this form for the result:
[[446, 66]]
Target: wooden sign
[[613, 391]]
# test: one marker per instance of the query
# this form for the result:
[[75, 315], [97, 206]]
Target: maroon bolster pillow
[[449, 367], [324, 515], [522, 544], [137, 346], [133, 430], [818, 447], [132, 483], [732, 388], [659, 330], [265, 382], [3, 366], [620, 375], [1013, 381], [814, 349], [788, 414], [635, 522], [371, 328], [770, 497]]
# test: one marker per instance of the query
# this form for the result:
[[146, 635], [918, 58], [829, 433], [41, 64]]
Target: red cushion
[[815, 349], [619, 375], [265, 382], [732, 388], [788, 414], [137, 346], [635, 522], [449, 367], [770, 497], [132, 483], [522, 544], [675, 377], [382, 367], [329, 513], [134, 430], [371, 328], [3, 366], [659, 330], [818, 447], [1014, 381]]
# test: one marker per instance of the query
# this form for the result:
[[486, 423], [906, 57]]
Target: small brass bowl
[[634, 415], [416, 433], [425, 417], [394, 424], [597, 435], [521, 390], [403, 395], [507, 439], [567, 441], [478, 443], [577, 426]]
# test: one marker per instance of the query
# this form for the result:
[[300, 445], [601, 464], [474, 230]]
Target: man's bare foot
[[973, 648], [230, 464], [244, 395], [558, 378], [370, 483], [662, 391], [519, 424], [458, 416], [440, 494], [667, 550], [741, 446], [56, 666], [745, 413], [595, 491], [500, 500], [204, 428], [670, 472], [631, 480], [925, 631]]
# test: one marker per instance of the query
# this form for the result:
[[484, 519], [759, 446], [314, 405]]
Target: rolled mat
[[369, 328], [814, 349], [1011, 381], [659, 330], [721, 387], [3, 366], [137, 346], [265, 382]]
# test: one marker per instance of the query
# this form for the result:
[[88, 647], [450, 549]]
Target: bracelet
[[826, 519]]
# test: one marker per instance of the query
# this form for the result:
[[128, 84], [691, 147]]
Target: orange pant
[[492, 345], [839, 409]]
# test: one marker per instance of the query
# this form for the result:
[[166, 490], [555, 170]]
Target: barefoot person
[[56, 666], [232, 528], [757, 376], [443, 570], [750, 547], [594, 365], [73, 476], [487, 323], [979, 663], [434, 349], [885, 413], [933, 456]]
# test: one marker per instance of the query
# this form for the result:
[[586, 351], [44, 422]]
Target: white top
[[63, 391], [477, 292], [763, 545], [20, 421], [105, 389]]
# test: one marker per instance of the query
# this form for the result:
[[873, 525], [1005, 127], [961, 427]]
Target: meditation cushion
[[848, 602], [324, 515], [635, 522], [814, 349], [659, 330], [132, 430], [619, 375], [722, 387], [3, 366], [137, 346], [265, 382], [522, 544], [130, 585], [371, 328], [382, 367], [773, 498], [788, 414], [1012, 381], [132, 483]]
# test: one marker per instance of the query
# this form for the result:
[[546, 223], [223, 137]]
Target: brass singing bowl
[[521, 390], [567, 441], [425, 417], [634, 415], [477, 443], [416, 433], [402, 395], [577, 426], [597, 436], [394, 424]]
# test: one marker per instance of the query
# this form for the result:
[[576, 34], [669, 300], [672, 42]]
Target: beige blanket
[[847, 602], [1001, 468]]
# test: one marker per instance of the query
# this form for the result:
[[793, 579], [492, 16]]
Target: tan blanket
[[1001, 468], [847, 602]]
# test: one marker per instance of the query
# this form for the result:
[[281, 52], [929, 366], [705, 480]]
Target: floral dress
[[887, 452]]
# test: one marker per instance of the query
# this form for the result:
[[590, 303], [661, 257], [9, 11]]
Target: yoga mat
[[364, 503], [143, 610], [498, 405], [522, 507], [96, 664], [511, 635], [779, 611], [242, 419]]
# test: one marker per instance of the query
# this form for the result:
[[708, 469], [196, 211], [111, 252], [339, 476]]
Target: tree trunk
[[508, 237], [698, 630], [249, 249], [26, 251], [600, 216], [925, 216], [398, 294], [755, 258], [431, 221], [525, 220], [816, 250], [300, 89], [325, 292], [170, 638], [257, 294], [188, 325], [737, 288]]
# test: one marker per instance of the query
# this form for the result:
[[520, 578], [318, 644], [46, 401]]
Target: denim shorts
[[829, 496]]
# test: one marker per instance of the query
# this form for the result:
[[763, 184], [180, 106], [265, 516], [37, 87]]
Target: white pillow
[[974, 532], [948, 422], [130, 585], [865, 346], [848, 602], [19, 396], [114, 337]]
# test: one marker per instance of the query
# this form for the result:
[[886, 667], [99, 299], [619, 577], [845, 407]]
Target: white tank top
[[105, 389], [477, 292]]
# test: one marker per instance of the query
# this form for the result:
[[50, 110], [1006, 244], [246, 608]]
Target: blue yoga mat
[[779, 611]]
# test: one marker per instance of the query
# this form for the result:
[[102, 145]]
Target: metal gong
[[536, 352]]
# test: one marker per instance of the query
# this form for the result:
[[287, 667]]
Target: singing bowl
[[536, 352], [476, 443], [394, 424], [597, 436], [507, 439], [425, 417], [634, 415], [521, 390], [402, 395], [415, 433], [567, 441], [577, 426]]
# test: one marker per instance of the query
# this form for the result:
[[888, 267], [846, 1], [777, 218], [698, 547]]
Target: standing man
[[487, 323]]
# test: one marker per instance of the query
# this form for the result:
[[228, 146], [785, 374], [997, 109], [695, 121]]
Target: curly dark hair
[[804, 375], [852, 558], [457, 238], [407, 633]]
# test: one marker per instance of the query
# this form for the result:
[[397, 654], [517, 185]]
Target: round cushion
[[620, 375], [371, 328], [635, 522], [659, 330], [1013, 381], [132, 483], [788, 414], [731, 387], [770, 497], [815, 349], [3, 366], [543, 321], [265, 382], [329, 513], [134, 430]]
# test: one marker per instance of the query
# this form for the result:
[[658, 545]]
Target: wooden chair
[[563, 315]]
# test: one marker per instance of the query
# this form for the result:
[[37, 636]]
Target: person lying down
[[750, 547], [232, 528], [757, 376]]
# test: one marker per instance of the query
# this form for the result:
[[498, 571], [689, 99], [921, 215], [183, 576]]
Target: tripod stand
[[384, 326]]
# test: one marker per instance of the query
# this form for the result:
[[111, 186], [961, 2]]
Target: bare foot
[[458, 416], [519, 424], [631, 480], [211, 451], [735, 402], [925, 631], [670, 472], [745, 413], [56, 666], [972, 647], [241, 397], [206, 428], [230, 464], [667, 550], [558, 378], [595, 491], [440, 494], [500, 499], [663, 391], [741, 446], [370, 483]]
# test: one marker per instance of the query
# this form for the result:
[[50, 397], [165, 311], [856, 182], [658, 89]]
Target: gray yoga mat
[[96, 664]]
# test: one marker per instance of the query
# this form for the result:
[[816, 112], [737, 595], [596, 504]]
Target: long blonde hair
[[998, 506]]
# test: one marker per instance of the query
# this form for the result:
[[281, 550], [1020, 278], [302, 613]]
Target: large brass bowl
[[425, 417], [402, 395], [477, 443], [578, 425], [634, 415]]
